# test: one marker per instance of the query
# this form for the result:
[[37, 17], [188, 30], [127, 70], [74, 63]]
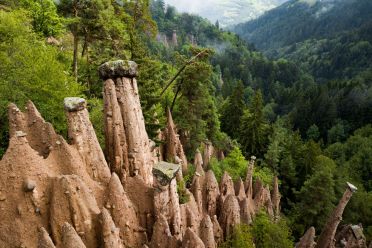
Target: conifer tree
[[253, 131], [233, 111]]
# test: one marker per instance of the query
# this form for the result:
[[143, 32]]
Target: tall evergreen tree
[[233, 111], [316, 197], [254, 131]]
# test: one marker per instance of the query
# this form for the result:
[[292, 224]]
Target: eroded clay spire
[[206, 232], [120, 76], [249, 178], [173, 146], [70, 238], [211, 193], [191, 240], [230, 215], [326, 238], [275, 198], [83, 137], [44, 239], [123, 213], [307, 241], [110, 233]]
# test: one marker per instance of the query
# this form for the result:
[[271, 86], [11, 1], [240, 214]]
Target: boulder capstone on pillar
[[83, 137], [127, 143]]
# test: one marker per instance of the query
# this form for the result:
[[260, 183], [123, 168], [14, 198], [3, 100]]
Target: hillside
[[299, 20]]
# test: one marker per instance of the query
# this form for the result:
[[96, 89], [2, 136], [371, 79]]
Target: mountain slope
[[227, 12], [298, 20]]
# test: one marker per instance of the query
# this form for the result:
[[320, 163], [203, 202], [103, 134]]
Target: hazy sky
[[193, 6]]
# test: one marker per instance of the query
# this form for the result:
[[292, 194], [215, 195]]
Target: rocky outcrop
[[198, 159], [173, 147], [161, 236], [70, 238], [206, 232], [326, 238], [44, 239], [121, 93], [275, 196], [82, 136], [110, 233], [226, 187], [191, 240], [211, 193], [307, 241], [230, 215], [124, 214], [217, 231], [73, 202], [351, 236]]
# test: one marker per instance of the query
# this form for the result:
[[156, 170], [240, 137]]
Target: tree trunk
[[75, 59]]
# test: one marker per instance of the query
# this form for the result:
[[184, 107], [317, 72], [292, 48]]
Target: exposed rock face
[[351, 236], [326, 238], [230, 215], [82, 135], [197, 192], [70, 238], [226, 187], [161, 236], [124, 214], [117, 69], [110, 233], [116, 141], [208, 153], [217, 230], [307, 241], [275, 196], [44, 239], [119, 77], [198, 159], [73, 202], [191, 240], [164, 172], [206, 232], [211, 193], [173, 147], [249, 178]]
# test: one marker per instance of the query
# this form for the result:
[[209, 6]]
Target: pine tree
[[316, 197], [253, 131], [231, 114]]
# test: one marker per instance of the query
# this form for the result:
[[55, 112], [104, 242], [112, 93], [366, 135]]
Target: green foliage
[[234, 163], [45, 19], [253, 131], [316, 197], [233, 111], [313, 133], [241, 238], [152, 77], [267, 234], [195, 98], [30, 69], [95, 106], [190, 174], [182, 192], [264, 174]]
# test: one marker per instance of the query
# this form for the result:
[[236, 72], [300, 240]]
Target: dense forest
[[306, 113]]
